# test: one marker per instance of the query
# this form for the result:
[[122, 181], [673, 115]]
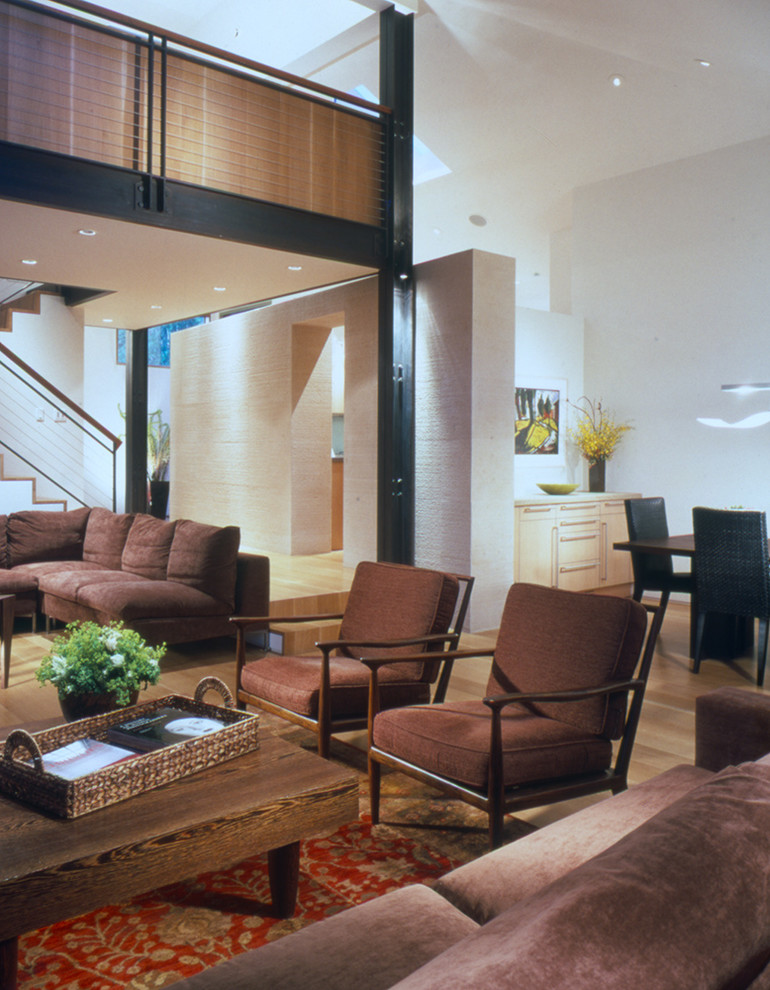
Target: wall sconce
[[747, 388], [748, 422]]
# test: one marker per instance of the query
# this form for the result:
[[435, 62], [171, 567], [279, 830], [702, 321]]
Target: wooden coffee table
[[267, 801]]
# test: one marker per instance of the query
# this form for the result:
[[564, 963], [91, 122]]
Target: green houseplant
[[97, 668]]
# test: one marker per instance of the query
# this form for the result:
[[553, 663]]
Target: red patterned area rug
[[161, 937]]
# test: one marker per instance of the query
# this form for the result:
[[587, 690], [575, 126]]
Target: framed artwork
[[541, 419]]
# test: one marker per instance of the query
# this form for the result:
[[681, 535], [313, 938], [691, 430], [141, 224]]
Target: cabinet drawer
[[579, 546], [579, 576]]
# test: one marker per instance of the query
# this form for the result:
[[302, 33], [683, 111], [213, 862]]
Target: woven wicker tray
[[71, 798]]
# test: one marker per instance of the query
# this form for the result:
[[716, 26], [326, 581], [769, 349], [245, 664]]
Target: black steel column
[[395, 485], [136, 420]]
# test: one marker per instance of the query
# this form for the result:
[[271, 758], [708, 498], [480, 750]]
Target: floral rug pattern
[[168, 934]]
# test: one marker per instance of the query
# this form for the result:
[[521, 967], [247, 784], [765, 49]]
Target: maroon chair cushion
[[3, 541], [453, 740], [106, 535], [147, 547], [36, 535], [553, 640], [395, 601], [294, 683]]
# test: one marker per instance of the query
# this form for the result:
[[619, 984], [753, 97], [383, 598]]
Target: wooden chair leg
[[761, 651], [374, 790]]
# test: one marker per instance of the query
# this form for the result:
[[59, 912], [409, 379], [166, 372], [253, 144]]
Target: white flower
[[118, 659], [59, 663], [111, 641]]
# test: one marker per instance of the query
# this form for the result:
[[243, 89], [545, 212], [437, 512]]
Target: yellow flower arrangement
[[596, 434]]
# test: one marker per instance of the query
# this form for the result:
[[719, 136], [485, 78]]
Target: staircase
[[20, 494], [53, 454]]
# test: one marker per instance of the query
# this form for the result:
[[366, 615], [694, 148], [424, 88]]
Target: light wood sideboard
[[566, 541]]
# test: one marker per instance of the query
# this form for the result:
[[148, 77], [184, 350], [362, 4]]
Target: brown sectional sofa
[[662, 887], [173, 582]]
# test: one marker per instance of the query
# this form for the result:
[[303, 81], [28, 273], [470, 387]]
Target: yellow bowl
[[556, 489]]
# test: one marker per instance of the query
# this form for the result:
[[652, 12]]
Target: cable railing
[[83, 82], [70, 454]]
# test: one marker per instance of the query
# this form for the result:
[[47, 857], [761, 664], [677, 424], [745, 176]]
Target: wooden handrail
[[199, 46], [115, 441]]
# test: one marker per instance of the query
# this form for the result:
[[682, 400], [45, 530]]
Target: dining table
[[725, 637]]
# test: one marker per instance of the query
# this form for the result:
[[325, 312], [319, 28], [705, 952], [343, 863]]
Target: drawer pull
[[579, 522], [580, 507], [565, 569], [575, 539], [541, 508]]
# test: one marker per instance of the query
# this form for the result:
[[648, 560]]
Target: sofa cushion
[[105, 538], [680, 902], [494, 882], [732, 725], [68, 584], [147, 547], [372, 945], [38, 535], [205, 558], [133, 597], [3, 541]]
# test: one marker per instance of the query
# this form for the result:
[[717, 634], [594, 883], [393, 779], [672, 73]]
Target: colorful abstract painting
[[537, 420]]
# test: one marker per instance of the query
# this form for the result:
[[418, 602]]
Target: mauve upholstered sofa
[[173, 582], [662, 887]]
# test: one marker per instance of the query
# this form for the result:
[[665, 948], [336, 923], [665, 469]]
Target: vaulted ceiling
[[522, 102]]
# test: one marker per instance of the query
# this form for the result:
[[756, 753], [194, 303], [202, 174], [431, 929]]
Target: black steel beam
[[136, 421], [396, 496], [45, 178]]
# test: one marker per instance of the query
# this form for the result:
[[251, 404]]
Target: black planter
[[158, 499], [596, 474]]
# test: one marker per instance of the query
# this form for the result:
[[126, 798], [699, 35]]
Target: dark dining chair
[[646, 519], [732, 573], [557, 699]]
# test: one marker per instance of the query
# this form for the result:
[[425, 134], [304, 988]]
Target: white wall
[[671, 272], [549, 347]]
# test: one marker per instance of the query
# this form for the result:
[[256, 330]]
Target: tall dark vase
[[159, 499], [596, 478]]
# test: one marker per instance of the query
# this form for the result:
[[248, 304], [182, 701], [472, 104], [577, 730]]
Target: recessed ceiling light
[[220, 288], [155, 306], [107, 319], [477, 220], [704, 62], [28, 261], [617, 80], [295, 268], [87, 232]]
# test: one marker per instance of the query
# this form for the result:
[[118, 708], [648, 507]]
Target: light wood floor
[[666, 731]]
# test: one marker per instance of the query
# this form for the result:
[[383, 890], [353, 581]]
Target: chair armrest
[[732, 725], [499, 701], [377, 644], [244, 621], [374, 663]]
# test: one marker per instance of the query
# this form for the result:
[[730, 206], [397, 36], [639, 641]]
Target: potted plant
[[98, 668], [596, 435]]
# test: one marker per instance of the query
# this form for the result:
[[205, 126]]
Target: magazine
[[163, 727], [82, 757]]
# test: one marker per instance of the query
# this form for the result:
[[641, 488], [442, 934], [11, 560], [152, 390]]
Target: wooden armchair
[[562, 671], [392, 610]]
